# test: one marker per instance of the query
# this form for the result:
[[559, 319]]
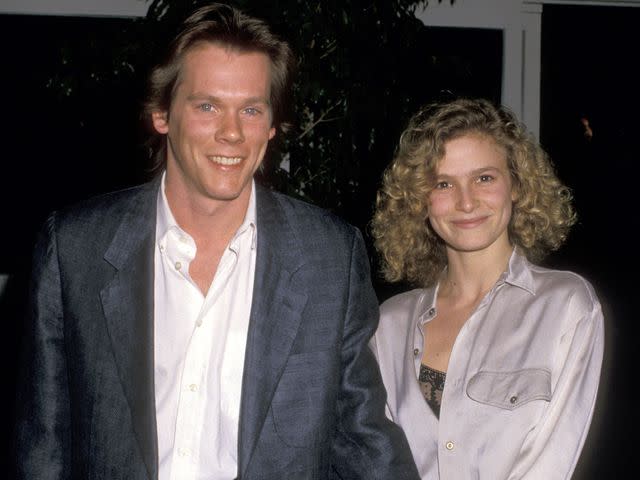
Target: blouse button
[[416, 352], [432, 311], [513, 400], [449, 445]]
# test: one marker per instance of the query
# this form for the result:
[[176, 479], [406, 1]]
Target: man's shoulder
[[97, 213], [303, 214], [109, 201], [302, 230]]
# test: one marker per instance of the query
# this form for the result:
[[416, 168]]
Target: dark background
[[588, 71], [71, 99]]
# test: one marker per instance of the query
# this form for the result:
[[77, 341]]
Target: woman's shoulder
[[567, 284]]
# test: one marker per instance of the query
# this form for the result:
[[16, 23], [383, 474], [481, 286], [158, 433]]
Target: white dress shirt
[[521, 383], [199, 350]]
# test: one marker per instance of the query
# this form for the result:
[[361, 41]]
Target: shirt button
[[183, 239], [199, 322], [513, 399], [193, 387], [162, 248], [416, 352], [184, 452], [178, 265], [432, 311], [449, 445]]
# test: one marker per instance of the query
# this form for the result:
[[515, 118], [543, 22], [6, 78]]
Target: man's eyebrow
[[213, 99], [202, 96]]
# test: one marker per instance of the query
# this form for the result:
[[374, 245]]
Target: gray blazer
[[312, 400]]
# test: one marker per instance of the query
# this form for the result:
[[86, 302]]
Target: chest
[[442, 331]]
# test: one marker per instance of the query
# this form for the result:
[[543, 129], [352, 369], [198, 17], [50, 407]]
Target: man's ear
[[160, 122]]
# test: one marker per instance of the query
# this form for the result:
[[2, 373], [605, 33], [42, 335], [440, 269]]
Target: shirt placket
[[451, 438], [194, 394], [180, 252]]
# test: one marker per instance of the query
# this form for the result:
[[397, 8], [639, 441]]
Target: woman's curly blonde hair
[[410, 250]]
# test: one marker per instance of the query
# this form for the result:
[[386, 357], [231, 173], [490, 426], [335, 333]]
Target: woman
[[492, 366]]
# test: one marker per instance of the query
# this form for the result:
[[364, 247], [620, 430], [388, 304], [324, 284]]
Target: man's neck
[[212, 224], [202, 217]]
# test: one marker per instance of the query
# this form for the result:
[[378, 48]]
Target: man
[[200, 326]]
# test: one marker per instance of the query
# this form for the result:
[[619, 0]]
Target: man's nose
[[230, 129]]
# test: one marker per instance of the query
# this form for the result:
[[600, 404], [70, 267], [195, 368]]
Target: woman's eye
[[485, 178], [442, 185]]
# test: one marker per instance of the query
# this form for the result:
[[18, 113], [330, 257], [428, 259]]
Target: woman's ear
[[514, 194]]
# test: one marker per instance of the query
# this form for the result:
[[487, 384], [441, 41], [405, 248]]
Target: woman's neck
[[470, 275]]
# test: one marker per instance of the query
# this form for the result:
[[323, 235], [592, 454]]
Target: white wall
[[110, 8]]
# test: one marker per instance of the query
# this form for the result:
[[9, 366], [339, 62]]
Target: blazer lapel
[[275, 316], [127, 301]]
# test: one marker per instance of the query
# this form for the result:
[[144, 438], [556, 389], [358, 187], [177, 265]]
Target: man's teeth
[[226, 160]]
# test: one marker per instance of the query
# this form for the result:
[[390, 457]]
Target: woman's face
[[470, 206]]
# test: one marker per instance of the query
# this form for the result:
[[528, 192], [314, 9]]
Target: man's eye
[[205, 107], [251, 111]]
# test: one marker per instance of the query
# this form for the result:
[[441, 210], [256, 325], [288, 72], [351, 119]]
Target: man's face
[[219, 124]]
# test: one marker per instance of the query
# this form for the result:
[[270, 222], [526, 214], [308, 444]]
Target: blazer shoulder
[[308, 218], [98, 213]]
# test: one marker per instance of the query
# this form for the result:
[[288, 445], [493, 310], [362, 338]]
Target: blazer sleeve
[[367, 445], [42, 411]]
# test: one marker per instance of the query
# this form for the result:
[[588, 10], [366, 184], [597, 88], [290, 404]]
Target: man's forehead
[[209, 59], [229, 49]]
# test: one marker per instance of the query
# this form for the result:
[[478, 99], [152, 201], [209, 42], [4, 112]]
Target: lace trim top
[[432, 384]]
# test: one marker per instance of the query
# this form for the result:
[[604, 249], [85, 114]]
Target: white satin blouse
[[521, 383]]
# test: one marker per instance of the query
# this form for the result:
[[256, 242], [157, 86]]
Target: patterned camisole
[[432, 385]]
